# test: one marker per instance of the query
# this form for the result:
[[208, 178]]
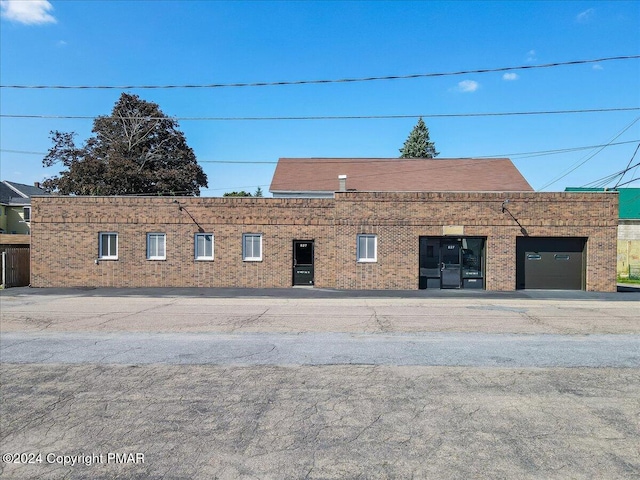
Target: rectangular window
[[156, 246], [472, 257], [108, 245], [252, 247], [204, 246], [367, 248], [27, 214]]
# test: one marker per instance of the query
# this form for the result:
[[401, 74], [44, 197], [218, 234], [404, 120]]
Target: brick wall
[[65, 231]]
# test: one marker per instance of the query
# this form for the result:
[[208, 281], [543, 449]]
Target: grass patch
[[635, 281]]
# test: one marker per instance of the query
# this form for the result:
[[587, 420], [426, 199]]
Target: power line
[[538, 153], [576, 166], [627, 168], [542, 153], [22, 152], [628, 182], [330, 117], [327, 81], [601, 182], [27, 152]]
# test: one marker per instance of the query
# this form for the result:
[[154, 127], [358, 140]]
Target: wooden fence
[[15, 266]]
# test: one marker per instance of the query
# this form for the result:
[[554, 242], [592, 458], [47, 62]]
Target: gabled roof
[[18, 193], [398, 175]]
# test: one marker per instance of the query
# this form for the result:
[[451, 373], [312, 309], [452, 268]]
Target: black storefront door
[[303, 262], [450, 271], [451, 262]]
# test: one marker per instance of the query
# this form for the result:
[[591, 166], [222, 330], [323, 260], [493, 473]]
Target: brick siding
[[64, 237]]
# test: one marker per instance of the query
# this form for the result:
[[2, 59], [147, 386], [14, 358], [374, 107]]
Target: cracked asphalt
[[427, 349], [295, 384]]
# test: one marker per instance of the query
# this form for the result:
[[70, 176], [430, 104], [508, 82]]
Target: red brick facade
[[64, 237]]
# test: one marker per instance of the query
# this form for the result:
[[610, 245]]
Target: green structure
[[628, 230]]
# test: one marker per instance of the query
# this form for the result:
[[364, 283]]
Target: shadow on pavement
[[622, 293]]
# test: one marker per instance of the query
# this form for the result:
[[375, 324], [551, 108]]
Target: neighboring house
[[15, 229], [322, 177], [15, 207], [391, 224], [628, 264]]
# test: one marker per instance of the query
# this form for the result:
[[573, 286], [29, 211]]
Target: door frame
[[430, 277], [294, 264]]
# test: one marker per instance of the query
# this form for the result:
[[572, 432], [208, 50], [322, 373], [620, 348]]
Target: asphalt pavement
[[426, 349], [314, 384], [328, 293]]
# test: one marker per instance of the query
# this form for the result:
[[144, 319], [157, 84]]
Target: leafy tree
[[135, 150], [241, 193], [418, 144], [258, 192]]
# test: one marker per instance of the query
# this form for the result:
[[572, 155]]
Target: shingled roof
[[13, 193], [398, 175]]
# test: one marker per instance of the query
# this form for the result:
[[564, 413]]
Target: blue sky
[[203, 42]]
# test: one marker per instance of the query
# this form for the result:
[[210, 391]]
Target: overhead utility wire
[[327, 81], [555, 152], [330, 117], [601, 182], [627, 168], [373, 160], [629, 181], [578, 165]]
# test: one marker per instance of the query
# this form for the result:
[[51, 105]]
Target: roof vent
[[342, 183]]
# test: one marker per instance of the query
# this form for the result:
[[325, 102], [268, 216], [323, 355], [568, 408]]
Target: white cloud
[[29, 12], [510, 76], [468, 86], [531, 56], [597, 66], [584, 17]]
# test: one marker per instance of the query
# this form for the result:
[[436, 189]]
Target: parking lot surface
[[178, 384], [311, 310]]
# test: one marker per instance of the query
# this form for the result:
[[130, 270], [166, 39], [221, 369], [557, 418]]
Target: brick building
[[355, 240]]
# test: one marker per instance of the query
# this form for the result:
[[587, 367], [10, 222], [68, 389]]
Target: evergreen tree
[[418, 144], [258, 192]]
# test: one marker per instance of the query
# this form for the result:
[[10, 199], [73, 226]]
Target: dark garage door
[[550, 263]]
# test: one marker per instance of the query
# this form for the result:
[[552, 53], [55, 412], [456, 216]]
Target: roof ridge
[[393, 158], [8, 184]]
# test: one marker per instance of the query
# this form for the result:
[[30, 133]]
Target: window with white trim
[[156, 246], [367, 250], [252, 247], [26, 214], [108, 245], [204, 246]]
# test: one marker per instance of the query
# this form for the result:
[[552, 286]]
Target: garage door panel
[[550, 263], [553, 270]]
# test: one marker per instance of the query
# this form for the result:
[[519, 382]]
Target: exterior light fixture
[[181, 208], [505, 209]]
